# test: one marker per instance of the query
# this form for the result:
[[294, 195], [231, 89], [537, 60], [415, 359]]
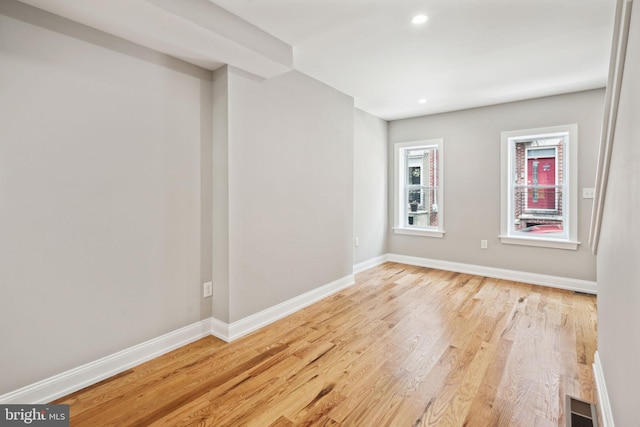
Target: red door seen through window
[[541, 172]]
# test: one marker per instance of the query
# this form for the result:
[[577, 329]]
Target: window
[[418, 187], [539, 187]]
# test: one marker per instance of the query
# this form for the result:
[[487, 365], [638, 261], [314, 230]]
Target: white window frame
[[570, 191], [526, 165], [399, 208]]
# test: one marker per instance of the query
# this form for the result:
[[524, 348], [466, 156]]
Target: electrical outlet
[[356, 241], [207, 290], [483, 244]]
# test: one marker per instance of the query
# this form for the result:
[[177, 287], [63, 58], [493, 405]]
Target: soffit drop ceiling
[[469, 53], [196, 31]]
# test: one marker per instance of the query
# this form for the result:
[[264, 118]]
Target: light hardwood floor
[[405, 346]]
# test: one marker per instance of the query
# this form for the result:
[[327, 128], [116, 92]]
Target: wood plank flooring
[[405, 346]]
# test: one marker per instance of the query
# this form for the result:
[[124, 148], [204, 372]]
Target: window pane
[[538, 210], [415, 173], [417, 206], [538, 188], [543, 152], [421, 182], [422, 207]]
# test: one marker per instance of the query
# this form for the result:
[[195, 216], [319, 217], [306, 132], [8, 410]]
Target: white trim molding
[[508, 140], [370, 263], [558, 282], [400, 202], [75, 379], [220, 329], [499, 273], [611, 102], [603, 396], [541, 243], [256, 321], [418, 232], [242, 327], [83, 376]]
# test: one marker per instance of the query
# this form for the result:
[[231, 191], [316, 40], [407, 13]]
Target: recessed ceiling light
[[422, 101], [419, 19]]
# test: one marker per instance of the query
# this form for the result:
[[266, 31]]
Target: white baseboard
[[83, 376], [75, 379], [499, 273], [242, 327], [603, 396], [220, 329], [370, 263]]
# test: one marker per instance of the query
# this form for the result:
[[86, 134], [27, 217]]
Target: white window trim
[[398, 182], [526, 167], [571, 162]]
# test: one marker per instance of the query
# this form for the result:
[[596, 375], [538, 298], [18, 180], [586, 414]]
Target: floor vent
[[581, 413]]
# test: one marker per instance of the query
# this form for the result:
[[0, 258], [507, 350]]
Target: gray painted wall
[[290, 189], [472, 182], [117, 204], [619, 250], [220, 230], [370, 186], [104, 149], [111, 190]]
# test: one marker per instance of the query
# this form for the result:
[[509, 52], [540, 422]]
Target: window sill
[[540, 242], [419, 232]]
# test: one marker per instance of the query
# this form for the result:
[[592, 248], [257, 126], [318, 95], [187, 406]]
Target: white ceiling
[[469, 53]]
